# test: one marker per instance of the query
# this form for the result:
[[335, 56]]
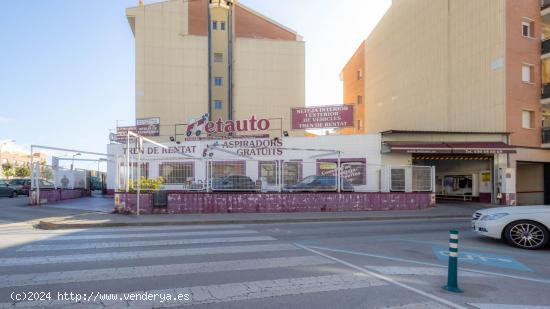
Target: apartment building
[[463, 85], [215, 57]]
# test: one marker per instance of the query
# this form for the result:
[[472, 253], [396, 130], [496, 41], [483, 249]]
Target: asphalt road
[[390, 264]]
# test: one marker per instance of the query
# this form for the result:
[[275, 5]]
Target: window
[[176, 172], [527, 119], [397, 181], [218, 57], [268, 172], [359, 74], [217, 104], [222, 25], [218, 81], [292, 172], [359, 99], [214, 25], [527, 28], [359, 125], [527, 73], [221, 169]]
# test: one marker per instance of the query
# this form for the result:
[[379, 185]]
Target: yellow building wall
[[269, 79], [171, 67], [434, 66]]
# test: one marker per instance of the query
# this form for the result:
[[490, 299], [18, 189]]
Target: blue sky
[[67, 66]]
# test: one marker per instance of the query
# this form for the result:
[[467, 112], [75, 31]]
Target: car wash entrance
[[461, 177], [464, 171]]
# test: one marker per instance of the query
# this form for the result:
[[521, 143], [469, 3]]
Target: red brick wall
[[519, 50]]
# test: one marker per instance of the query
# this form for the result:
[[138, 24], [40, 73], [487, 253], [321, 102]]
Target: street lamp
[[2, 143], [75, 155]]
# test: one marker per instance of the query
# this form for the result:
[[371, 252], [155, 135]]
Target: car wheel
[[526, 234]]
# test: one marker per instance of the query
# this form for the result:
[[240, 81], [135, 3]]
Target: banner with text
[[321, 117]]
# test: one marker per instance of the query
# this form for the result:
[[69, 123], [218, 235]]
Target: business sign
[[321, 117], [197, 126], [143, 127]]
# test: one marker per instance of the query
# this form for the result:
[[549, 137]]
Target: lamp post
[[72, 163], [2, 143]]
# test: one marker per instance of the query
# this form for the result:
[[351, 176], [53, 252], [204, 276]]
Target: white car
[[526, 227]]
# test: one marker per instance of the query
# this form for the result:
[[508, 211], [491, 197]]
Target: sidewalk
[[94, 220]]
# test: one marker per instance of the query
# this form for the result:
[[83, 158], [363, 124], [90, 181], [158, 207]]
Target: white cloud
[[6, 120]]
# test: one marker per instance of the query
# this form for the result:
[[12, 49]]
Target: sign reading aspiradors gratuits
[[321, 117]]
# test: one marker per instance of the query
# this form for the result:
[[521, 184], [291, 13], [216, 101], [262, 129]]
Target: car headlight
[[494, 216]]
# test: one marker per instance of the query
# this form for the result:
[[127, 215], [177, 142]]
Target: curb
[[46, 225]]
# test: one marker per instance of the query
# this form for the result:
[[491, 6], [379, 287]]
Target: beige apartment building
[[217, 57], [462, 85]]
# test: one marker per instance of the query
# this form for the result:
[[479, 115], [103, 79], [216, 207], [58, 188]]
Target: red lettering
[[252, 123], [209, 127], [219, 124], [263, 124]]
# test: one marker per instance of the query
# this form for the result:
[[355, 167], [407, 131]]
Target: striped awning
[[450, 157], [476, 148]]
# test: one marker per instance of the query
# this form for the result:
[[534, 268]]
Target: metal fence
[[246, 175]]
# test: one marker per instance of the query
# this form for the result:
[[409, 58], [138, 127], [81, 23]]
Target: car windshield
[[309, 179]]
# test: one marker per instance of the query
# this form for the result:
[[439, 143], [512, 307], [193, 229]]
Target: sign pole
[[338, 180], [138, 172], [128, 162], [452, 274]]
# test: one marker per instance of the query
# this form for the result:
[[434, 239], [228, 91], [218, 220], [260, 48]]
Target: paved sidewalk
[[96, 219]]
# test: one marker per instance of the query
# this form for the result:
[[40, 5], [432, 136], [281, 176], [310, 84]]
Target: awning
[[479, 148]]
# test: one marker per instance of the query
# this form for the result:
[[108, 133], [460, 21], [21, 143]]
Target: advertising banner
[[321, 117], [70, 179], [144, 127]]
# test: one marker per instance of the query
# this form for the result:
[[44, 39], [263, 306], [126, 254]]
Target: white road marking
[[420, 271], [142, 243], [505, 306], [131, 255], [425, 305], [387, 279], [163, 228], [106, 274], [491, 273], [149, 235], [220, 293]]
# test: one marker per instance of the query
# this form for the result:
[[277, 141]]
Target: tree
[[22, 171], [7, 170]]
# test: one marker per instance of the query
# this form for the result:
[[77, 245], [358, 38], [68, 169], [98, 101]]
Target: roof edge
[[298, 36]]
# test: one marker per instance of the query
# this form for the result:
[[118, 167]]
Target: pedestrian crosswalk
[[209, 264]]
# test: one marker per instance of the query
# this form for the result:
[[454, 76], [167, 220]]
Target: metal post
[[452, 275], [338, 172], [280, 179], [138, 173], [128, 161]]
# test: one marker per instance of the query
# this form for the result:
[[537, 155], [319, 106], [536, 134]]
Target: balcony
[[546, 135], [545, 47], [545, 91]]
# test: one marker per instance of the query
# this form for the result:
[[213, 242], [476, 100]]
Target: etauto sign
[[199, 125], [320, 117]]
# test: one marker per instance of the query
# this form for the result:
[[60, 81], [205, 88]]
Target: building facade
[[457, 85], [215, 57]]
